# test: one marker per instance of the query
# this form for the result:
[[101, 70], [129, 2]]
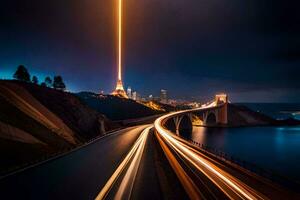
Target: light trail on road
[[229, 185], [131, 162]]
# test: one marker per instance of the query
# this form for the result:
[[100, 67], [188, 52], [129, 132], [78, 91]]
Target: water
[[276, 110], [274, 148]]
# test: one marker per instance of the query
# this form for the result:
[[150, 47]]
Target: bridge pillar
[[183, 123], [222, 117], [177, 121], [222, 111], [190, 115]]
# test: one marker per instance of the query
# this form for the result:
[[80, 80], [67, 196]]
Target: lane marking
[[109, 184]]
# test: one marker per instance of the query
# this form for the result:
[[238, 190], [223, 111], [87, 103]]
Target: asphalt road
[[205, 177], [78, 175], [135, 163]]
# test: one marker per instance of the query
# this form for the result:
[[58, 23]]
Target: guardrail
[[253, 168]]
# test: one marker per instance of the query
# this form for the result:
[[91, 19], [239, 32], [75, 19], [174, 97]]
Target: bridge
[[212, 114], [201, 173]]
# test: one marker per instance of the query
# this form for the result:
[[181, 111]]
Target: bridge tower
[[222, 112]]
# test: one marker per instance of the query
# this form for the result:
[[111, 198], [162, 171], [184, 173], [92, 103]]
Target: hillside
[[37, 121], [116, 108], [239, 115]]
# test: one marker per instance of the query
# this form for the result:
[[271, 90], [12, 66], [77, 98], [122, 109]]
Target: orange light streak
[[120, 39], [126, 186], [192, 190], [220, 178], [133, 157]]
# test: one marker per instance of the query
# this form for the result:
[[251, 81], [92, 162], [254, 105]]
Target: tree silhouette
[[43, 84], [35, 80], [22, 74], [48, 81], [58, 83]]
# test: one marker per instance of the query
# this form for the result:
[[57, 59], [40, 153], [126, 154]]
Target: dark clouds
[[193, 48]]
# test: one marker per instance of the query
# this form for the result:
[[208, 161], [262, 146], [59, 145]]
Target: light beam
[[120, 40], [119, 91]]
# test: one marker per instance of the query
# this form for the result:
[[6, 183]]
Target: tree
[[48, 81], [43, 84], [58, 83], [22, 74], [35, 80]]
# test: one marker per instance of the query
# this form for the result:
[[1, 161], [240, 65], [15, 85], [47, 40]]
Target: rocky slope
[[37, 121]]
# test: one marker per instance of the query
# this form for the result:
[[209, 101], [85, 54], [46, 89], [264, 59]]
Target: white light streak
[[134, 155], [224, 181]]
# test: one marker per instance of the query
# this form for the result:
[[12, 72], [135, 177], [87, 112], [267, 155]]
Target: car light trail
[[192, 190], [133, 157], [231, 186]]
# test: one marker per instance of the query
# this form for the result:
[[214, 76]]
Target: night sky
[[193, 48]]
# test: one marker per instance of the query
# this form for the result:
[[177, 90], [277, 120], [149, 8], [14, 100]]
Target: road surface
[[78, 175], [137, 163], [204, 177]]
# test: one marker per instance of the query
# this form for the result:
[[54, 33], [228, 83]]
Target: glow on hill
[[153, 106]]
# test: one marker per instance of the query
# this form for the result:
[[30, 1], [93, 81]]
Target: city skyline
[[252, 57]]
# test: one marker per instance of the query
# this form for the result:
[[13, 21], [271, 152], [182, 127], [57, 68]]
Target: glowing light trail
[[189, 186], [231, 186], [127, 183], [133, 157]]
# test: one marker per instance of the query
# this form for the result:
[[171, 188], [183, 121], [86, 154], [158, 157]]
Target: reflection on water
[[297, 116], [275, 148]]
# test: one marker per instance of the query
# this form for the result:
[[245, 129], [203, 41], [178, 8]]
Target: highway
[[84, 173], [203, 177], [140, 162], [231, 187]]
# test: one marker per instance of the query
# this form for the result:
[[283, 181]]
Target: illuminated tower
[[119, 91], [129, 92], [163, 96]]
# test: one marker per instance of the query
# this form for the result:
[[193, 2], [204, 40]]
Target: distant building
[[134, 95], [163, 96], [129, 92]]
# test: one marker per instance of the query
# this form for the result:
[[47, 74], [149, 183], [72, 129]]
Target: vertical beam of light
[[119, 39]]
